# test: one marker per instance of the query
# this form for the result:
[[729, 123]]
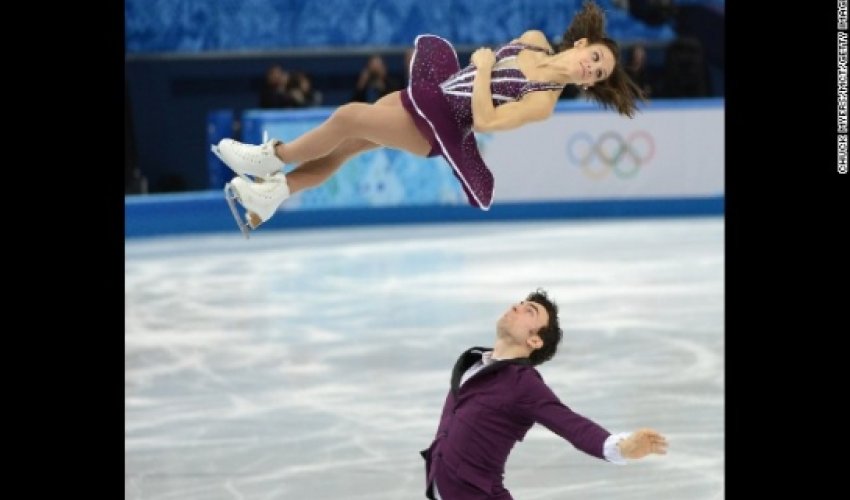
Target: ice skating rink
[[313, 364]]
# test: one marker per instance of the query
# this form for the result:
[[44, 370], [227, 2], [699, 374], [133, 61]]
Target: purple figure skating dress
[[439, 98]]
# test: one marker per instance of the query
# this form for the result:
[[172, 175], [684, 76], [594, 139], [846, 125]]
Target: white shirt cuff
[[610, 449]]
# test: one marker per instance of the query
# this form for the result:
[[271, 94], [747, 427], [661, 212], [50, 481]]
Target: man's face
[[522, 322]]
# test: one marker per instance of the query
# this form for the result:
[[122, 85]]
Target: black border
[[785, 259], [785, 272]]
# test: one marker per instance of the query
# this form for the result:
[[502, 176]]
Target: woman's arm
[[534, 106], [483, 111]]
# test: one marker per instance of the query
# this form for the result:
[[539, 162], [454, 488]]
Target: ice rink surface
[[313, 364]]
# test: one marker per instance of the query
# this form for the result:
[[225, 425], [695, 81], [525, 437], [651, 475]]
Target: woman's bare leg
[[367, 126], [308, 174], [385, 123], [314, 172]]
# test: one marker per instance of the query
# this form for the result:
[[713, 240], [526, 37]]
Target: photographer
[[374, 81]]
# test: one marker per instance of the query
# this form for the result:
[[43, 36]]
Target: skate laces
[[266, 148], [272, 186]]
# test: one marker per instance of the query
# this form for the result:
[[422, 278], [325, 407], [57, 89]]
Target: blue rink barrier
[[207, 212], [220, 124]]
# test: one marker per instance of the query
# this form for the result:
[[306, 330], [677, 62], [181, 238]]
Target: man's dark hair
[[551, 333]]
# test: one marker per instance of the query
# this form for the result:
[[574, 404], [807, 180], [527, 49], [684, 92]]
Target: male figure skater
[[496, 396]]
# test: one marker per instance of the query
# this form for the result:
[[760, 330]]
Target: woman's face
[[593, 63]]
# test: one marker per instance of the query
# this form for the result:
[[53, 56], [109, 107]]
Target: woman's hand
[[483, 58]]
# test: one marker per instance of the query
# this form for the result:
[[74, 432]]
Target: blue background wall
[[227, 25]]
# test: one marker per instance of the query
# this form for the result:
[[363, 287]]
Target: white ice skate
[[249, 159], [260, 199]]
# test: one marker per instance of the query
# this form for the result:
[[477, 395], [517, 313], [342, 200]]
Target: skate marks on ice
[[314, 364]]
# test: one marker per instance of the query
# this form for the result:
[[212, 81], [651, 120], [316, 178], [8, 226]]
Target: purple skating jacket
[[483, 419]]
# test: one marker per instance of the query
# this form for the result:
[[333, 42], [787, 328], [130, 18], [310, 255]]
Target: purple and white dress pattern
[[439, 98]]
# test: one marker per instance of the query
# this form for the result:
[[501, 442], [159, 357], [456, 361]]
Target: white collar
[[487, 358]]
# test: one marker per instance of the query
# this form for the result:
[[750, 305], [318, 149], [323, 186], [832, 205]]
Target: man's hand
[[641, 443]]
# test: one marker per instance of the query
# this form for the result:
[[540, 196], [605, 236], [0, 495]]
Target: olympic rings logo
[[611, 153]]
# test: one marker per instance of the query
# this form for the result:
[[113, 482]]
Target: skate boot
[[249, 159], [260, 199]]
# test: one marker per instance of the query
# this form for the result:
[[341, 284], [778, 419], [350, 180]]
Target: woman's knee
[[349, 114]]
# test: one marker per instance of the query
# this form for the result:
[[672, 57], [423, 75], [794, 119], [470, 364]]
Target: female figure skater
[[437, 113]]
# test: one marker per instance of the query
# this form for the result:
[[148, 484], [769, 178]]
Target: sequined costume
[[439, 98]]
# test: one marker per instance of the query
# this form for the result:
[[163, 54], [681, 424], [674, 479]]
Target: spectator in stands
[[439, 110], [636, 68], [685, 70], [300, 91], [274, 93], [374, 81]]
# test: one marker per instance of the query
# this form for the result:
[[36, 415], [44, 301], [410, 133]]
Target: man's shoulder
[[526, 373], [526, 382]]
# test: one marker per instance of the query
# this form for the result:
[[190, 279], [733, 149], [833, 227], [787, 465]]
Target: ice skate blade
[[231, 197], [214, 149]]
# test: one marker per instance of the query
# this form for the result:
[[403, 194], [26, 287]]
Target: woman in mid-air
[[438, 112]]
